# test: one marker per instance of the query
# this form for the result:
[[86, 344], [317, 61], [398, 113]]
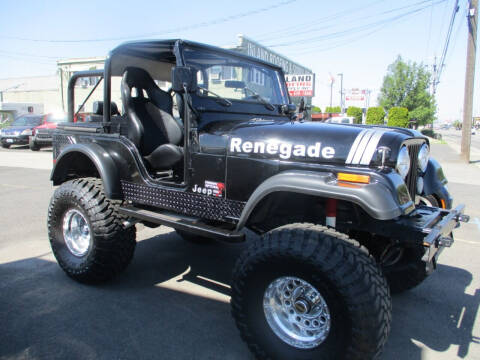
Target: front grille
[[411, 179], [44, 135]]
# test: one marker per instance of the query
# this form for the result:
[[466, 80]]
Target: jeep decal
[[211, 188], [283, 149]]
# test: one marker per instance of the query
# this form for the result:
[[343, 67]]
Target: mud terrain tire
[[347, 277], [111, 246], [409, 272]]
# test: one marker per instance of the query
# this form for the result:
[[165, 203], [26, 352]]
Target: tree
[[375, 116], [398, 116], [333, 109], [356, 112], [406, 85], [316, 109]]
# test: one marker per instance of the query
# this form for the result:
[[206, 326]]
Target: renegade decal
[[284, 150], [210, 188], [364, 146]]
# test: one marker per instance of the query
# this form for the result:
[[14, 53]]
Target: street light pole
[[341, 91], [331, 90]]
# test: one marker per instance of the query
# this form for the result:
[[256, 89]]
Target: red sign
[[300, 85]]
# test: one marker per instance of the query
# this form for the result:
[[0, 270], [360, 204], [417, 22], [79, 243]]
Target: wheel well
[[74, 165], [281, 208]]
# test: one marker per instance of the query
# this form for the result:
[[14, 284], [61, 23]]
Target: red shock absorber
[[331, 212]]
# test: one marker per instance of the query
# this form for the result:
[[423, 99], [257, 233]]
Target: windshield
[[235, 78], [28, 121], [57, 118]]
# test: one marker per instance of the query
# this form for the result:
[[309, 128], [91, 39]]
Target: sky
[[357, 39]]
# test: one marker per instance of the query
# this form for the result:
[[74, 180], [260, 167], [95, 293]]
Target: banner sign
[[300, 85], [356, 97]]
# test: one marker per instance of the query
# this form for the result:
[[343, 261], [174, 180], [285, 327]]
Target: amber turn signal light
[[355, 178]]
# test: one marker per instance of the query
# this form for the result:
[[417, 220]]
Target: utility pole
[[341, 91], [434, 82], [472, 19]]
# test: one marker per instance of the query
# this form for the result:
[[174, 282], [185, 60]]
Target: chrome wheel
[[76, 232], [425, 201], [296, 312]]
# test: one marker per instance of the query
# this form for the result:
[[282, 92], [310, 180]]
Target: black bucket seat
[[152, 127]]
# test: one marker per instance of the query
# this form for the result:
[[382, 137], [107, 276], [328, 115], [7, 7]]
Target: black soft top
[[163, 50]]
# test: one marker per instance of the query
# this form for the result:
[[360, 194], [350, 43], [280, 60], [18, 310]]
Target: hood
[[315, 142], [46, 126], [13, 129]]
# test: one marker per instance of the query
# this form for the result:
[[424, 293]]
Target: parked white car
[[341, 120]]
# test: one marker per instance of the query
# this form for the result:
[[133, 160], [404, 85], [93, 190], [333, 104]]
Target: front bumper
[[428, 226], [440, 234], [14, 139], [42, 139]]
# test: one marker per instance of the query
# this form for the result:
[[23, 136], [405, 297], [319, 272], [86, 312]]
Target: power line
[[167, 31], [436, 80], [17, 58], [28, 55], [429, 31], [326, 19], [337, 16], [368, 26], [343, 42], [456, 32], [443, 22]]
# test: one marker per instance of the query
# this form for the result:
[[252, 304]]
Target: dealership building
[[51, 91]]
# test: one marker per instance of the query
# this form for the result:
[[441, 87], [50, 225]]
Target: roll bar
[[71, 87]]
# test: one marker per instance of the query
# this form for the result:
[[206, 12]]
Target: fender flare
[[434, 182], [102, 161], [378, 199]]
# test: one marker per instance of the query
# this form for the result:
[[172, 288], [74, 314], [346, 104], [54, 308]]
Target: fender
[[379, 198], [100, 158], [434, 182]]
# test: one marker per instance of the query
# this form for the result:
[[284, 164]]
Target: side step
[[185, 223]]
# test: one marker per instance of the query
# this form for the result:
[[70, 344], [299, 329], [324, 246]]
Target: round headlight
[[423, 156], [403, 162]]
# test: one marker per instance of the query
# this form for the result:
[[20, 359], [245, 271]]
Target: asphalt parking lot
[[172, 302]]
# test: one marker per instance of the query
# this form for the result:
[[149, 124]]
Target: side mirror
[[289, 108], [184, 77]]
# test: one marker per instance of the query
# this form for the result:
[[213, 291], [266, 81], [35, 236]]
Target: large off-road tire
[[5, 146], [192, 238], [345, 306], [86, 232], [408, 272]]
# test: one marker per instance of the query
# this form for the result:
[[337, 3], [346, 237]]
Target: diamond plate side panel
[[205, 207], [59, 142]]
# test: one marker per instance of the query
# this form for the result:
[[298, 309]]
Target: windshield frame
[[254, 106]]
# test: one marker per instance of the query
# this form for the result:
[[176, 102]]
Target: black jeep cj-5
[[344, 213]]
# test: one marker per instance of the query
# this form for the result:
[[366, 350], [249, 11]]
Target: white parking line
[[467, 241]]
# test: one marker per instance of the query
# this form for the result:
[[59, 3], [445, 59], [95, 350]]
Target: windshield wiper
[[265, 102], [223, 101]]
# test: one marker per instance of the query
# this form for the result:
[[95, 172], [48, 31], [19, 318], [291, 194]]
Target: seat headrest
[[98, 108], [136, 77]]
